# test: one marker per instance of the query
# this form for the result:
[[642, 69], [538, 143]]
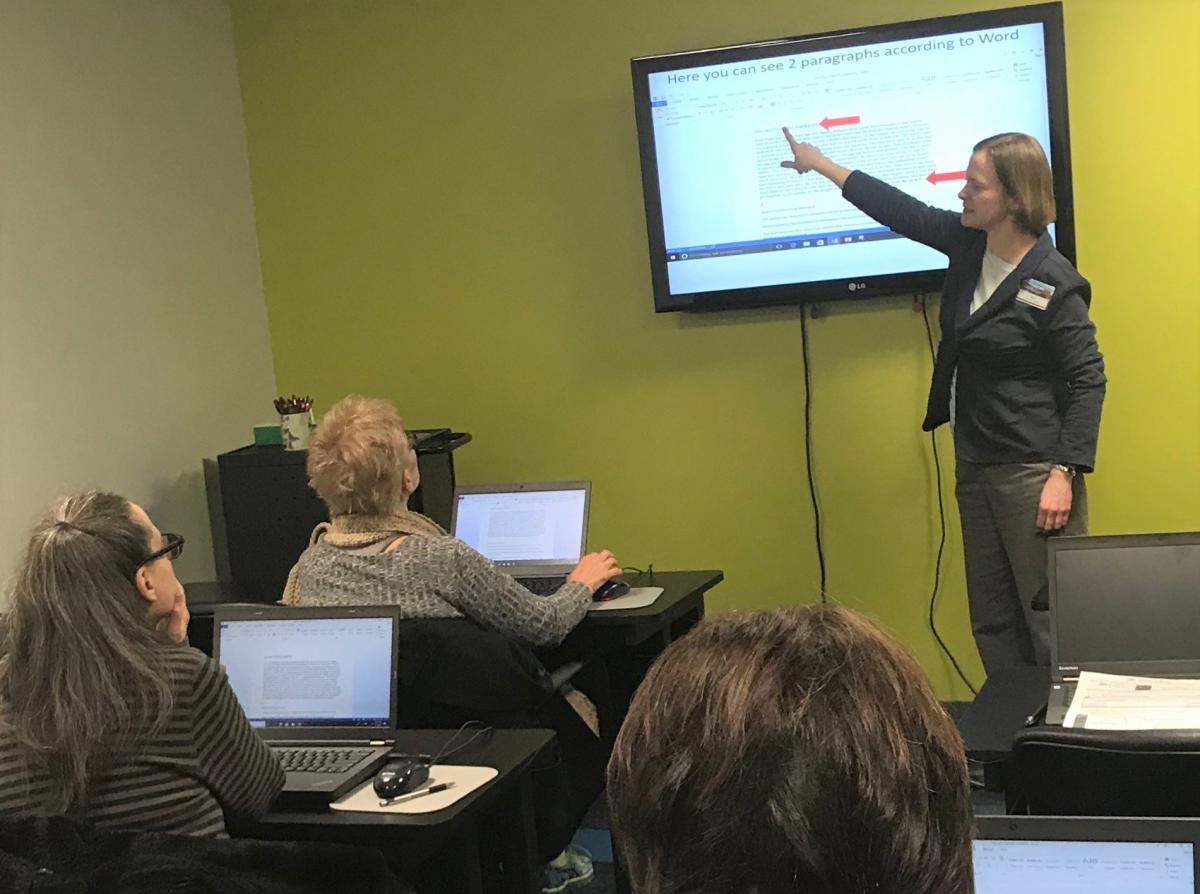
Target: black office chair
[[452, 670], [451, 666], [62, 855], [1081, 772]]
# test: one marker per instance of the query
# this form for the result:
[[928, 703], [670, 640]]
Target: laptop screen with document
[[306, 672], [524, 525], [1085, 855]]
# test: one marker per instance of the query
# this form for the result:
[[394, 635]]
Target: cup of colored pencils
[[295, 421]]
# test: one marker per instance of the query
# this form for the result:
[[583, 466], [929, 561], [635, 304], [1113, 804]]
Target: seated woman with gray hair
[[375, 550], [106, 714]]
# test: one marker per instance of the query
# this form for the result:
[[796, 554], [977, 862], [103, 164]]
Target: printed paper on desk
[[637, 597], [1110, 701], [463, 781]]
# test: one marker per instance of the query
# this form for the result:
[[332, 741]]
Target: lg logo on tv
[[855, 286]]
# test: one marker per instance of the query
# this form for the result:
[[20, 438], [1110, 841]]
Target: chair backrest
[[451, 670], [451, 667], [62, 855], [1076, 772]]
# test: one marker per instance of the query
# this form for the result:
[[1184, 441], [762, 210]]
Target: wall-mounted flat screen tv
[[729, 228]]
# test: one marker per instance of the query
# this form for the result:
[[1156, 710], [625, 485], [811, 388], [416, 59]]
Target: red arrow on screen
[[828, 122], [935, 178]]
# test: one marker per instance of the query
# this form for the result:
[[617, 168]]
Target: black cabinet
[[270, 511]]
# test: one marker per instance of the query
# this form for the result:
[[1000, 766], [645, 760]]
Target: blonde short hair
[[1022, 169], [357, 457]]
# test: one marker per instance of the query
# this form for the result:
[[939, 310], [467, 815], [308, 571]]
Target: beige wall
[[133, 334]]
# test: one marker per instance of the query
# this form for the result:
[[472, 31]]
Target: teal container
[[267, 435]]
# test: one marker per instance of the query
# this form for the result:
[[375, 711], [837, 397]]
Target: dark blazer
[[1030, 381]]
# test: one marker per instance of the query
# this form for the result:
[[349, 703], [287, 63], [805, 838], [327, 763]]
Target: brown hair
[[84, 673], [1021, 167], [798, 750], [357, 457]]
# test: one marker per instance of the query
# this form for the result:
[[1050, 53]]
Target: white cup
[[294, 429]]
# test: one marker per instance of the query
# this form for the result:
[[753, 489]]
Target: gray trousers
[[1006, 558]]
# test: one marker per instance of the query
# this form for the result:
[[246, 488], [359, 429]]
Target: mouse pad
[[637, 597], [464, 780]]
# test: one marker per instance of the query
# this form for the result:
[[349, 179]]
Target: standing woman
[[106, 714], [1018, 375]]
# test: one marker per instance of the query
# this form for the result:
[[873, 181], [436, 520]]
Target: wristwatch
[[1069, 471]]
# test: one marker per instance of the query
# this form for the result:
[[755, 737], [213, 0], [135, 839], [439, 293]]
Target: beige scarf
[[356, 531]]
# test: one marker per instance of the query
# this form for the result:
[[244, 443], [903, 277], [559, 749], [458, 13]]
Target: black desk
[[629, 641], [1001, 709], [1008, 697], [670, 616], [441, 850], [651, 628]]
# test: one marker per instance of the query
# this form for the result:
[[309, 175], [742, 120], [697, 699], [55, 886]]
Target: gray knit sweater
[[440, 577]]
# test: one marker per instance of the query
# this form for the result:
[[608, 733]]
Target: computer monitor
[[1085, 855], [906, 102], [524, 527], [306, 668], [1126, 603]]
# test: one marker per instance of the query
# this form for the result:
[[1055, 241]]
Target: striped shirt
[[206, 762]]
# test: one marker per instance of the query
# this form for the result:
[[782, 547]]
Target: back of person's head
[[83, 672], [1023, 171], [360, 461], [797, 751]]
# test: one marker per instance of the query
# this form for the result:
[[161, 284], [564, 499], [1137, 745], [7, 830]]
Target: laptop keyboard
[[541, 586], [319, 760]]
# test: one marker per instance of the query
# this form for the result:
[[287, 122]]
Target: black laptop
[[319, 686], [1122, 604], [1086, 855]]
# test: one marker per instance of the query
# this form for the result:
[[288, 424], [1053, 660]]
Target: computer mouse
[[401, 776], [610, 589]]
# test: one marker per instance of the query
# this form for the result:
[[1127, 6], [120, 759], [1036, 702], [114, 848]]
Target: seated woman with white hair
[[375, 550]]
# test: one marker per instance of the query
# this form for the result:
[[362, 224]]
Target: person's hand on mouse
[[594, 569]]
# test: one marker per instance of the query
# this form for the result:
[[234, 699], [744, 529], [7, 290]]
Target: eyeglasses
[[172, 548]]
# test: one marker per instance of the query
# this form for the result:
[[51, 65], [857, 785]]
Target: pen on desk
[[433, 789]]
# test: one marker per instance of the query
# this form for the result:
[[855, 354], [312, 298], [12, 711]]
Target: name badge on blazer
[[1035, 293]]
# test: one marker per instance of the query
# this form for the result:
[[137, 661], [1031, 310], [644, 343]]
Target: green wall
[[450, 215]]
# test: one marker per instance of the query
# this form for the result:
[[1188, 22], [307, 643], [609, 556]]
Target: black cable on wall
[[937, 567], [808, 451]]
